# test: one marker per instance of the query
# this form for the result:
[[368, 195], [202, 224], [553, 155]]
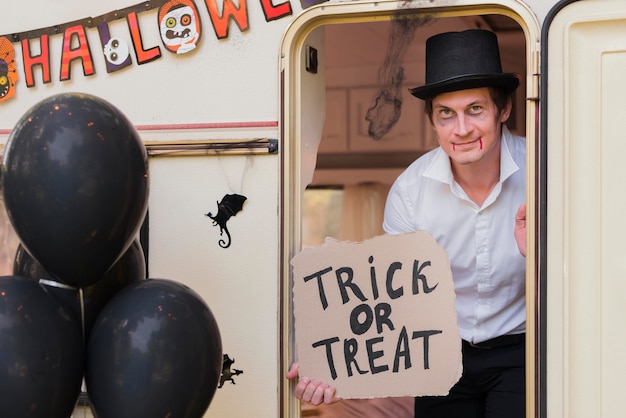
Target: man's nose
[[463, 125]]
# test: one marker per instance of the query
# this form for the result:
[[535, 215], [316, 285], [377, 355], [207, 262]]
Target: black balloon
[[41, 353], [130, 268], [154, 351], [75, 185]]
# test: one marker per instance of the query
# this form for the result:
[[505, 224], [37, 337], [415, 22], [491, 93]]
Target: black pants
[[493, 384]]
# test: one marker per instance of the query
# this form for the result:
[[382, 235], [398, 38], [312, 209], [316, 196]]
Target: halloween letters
[[377, 318], [178, 22]]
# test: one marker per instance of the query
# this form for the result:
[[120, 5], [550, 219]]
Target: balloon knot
[[52, 283]]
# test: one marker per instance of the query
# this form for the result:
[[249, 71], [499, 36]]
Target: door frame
[[291, 70]]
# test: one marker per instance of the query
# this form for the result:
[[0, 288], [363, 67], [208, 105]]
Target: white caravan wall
[[239, 283], [225, 89]]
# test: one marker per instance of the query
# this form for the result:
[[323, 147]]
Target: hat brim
[[507, 81]]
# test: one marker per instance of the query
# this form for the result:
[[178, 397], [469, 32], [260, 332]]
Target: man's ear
[[506, 111]]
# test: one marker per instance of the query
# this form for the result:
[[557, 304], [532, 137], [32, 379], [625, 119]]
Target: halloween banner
[[177, 22]]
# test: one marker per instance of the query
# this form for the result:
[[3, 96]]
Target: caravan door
[[583, 205]]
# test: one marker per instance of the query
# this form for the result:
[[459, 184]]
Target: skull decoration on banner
[[75, 185]]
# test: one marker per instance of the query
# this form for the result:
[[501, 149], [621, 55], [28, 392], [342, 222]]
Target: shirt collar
[[439, 168]]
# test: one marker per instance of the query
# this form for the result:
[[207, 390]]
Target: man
[[469, 194]]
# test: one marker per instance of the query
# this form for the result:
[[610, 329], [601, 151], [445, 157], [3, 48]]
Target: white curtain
[[362, 211]]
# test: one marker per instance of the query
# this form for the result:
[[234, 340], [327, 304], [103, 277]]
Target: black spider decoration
[[227, 372], [229, 206]]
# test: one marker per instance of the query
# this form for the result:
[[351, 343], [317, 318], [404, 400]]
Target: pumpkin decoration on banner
[[154, 351], [41, 352], [87, 303], [75, 185]]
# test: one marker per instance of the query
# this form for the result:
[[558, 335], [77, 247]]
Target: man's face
[[468, 124]]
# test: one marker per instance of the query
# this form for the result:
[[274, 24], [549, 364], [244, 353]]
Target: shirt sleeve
[[399, 214]]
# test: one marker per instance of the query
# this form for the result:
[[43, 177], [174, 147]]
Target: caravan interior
[[350, 159]]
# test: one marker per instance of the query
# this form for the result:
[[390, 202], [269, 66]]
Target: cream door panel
[[586, 205]]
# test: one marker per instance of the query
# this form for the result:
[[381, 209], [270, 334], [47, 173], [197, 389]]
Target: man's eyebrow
[[474, 103], [477, 102]]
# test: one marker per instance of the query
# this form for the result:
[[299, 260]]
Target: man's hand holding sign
[[377, 319]]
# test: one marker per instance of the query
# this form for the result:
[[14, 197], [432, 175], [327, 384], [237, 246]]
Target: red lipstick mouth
[[479, 140]]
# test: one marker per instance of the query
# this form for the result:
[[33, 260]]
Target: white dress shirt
[[487, 267]]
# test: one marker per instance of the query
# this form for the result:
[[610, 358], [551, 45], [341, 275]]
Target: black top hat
[[463, 60]]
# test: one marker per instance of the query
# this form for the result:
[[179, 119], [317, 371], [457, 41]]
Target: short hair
[[499, 97]]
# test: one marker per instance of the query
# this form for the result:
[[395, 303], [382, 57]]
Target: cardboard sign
[[377, 318]]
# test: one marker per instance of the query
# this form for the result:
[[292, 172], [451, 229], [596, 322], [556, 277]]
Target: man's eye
[[445, 113], [475, 109]]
